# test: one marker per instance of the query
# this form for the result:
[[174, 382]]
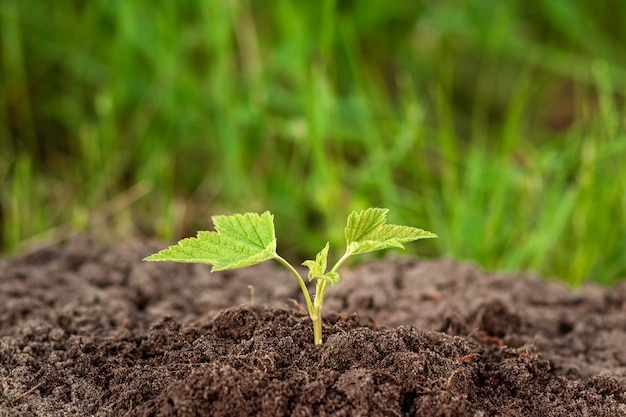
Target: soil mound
[[87, 330]]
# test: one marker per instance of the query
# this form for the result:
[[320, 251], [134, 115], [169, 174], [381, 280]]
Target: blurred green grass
[[499, 126]]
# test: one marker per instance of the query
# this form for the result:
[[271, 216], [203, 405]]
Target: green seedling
[[247, 239]]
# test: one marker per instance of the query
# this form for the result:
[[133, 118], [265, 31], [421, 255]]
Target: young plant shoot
[[247, 239]]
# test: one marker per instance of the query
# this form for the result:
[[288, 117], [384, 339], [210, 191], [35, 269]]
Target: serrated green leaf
[[240, 240], [318, 266], [332, 277], [361, 223], [366, 231]]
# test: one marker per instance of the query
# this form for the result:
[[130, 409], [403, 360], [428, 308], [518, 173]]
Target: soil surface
[[87, 330]]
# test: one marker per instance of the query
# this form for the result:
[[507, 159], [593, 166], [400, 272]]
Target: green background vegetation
[[497, 125]]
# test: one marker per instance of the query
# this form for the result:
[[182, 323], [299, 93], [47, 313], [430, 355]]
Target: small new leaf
[[366, 231], [240, 240], [317, 267], [332, 277]]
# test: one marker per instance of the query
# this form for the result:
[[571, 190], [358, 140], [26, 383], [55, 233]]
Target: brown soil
[[86, 330]]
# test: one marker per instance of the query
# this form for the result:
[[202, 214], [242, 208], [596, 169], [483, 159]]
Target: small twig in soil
[[512, 405], [19, 397], [491, 339], [467, 357], [478, 319], [298, 305], [251, 287]]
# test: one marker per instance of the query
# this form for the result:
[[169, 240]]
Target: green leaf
[[332, 277], [318, 266], [360, 224], [366, 231], [240, 240]]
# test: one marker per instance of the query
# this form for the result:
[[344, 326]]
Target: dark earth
[[91, 330]]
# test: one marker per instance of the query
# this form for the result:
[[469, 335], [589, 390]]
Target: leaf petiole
[[303, 287]]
